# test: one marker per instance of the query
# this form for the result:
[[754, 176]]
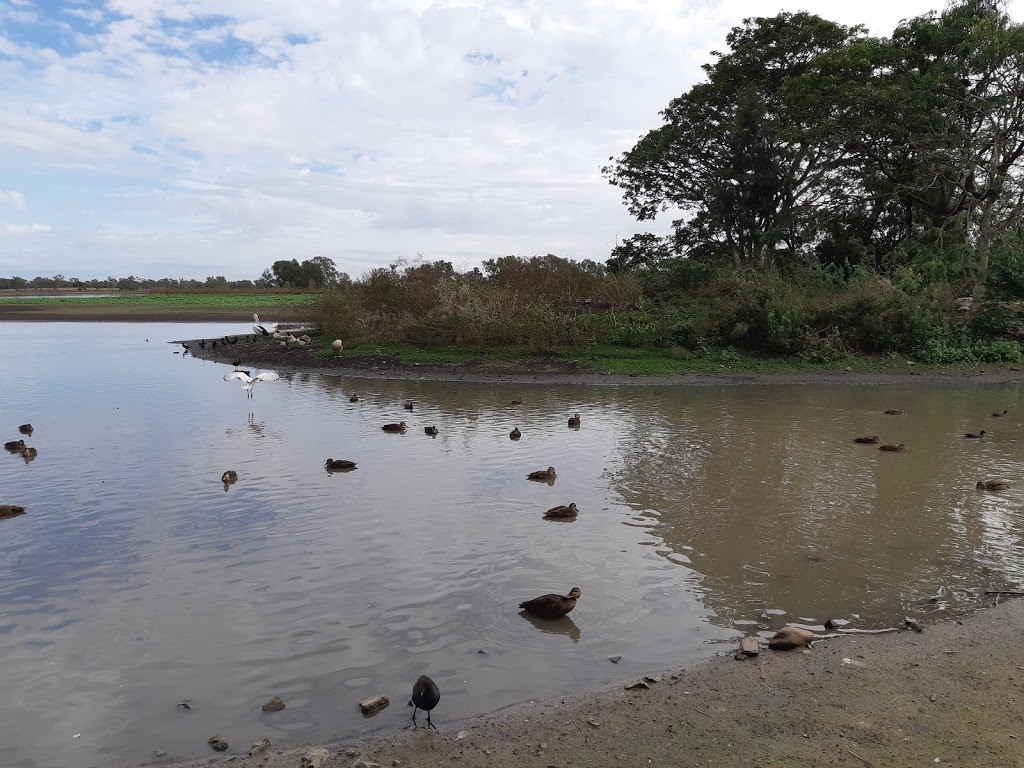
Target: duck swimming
[[26, 429], [894, 412], [229, 477], [973, 436], [15, 445], [399, 427], [515, 434], [992, 485], [552, 606], [872, 439], [563, 511], [574, 421], [339, 464], [893, 448], [543, 474], [432, 431]]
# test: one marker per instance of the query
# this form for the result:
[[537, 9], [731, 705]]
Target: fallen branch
[[858, 757]]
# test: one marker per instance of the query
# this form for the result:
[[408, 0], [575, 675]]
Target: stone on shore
[[373, 703], [315, 758], [259, 747], [791, 638], [218, 743], [749, 646]]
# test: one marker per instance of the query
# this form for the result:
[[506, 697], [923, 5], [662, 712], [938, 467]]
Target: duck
[[574, 421], [399, 427], [10, 510], [891, 447], [339, 464], [552, 606], [515, 434], [973, 436], [408, 406], [432, 431], [29, 453], [517, 402], [996, 414], [873, 439], [26, 429], [894, 412], [425, 695], [563, 511], [15, 445], [543, 474], [354, 399], [229, 477], [992, 485]]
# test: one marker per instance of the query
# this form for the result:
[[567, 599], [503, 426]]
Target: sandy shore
[[947, 695]]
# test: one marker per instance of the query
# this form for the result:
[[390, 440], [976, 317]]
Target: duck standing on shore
[[425, 695]]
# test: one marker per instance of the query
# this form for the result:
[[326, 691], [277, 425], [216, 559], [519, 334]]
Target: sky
[[189, 138]]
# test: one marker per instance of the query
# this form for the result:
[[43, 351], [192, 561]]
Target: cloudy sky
[[186, 138]]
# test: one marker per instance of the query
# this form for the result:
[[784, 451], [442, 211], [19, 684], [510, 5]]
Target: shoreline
[[265, 355], [944, 695]]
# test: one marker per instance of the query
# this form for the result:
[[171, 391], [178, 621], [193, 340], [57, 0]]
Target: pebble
[[259, 747], [614, 659], [160, 752], [636, 684], [218, 743], [276, 704], [315, 758], [366, 764]]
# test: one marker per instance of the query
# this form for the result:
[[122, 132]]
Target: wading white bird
[[251, 381]]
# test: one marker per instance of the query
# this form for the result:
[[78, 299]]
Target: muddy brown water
[[137, 581]]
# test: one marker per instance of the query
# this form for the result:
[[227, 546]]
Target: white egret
[[251, 381]]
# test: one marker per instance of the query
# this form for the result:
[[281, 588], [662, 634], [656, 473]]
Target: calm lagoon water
[[136, 581]]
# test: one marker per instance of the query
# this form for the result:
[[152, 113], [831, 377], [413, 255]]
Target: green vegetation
[[833, 196], [163, 301]]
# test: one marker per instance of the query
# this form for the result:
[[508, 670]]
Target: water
[[136, 581]]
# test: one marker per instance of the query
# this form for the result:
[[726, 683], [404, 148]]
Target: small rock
[[749, 646], [366, 764], [258, 747], [836, 623], [160, 752], [652, 678], [373, 703], [315, 758], [912, 623], [614, 659], [636, 684], [482, 650], [186, 704], [933, 698], [790, 638], [276, 704], [218, 743], [396, 763], [593, 723]]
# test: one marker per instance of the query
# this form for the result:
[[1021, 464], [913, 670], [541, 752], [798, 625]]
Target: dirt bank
[[948, 695], [265, 354]]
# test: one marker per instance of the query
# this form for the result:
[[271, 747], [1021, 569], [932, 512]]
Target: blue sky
[[169, 138]]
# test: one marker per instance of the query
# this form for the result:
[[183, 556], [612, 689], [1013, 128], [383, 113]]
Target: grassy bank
[[160, 307], [682, 317]]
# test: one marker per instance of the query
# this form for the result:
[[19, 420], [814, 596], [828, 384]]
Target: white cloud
[[27, 229], [15, 200], [232, 134]]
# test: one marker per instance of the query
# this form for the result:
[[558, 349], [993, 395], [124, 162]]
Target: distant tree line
[[318, 272]]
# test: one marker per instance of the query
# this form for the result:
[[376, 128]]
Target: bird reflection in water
[[560, 626]]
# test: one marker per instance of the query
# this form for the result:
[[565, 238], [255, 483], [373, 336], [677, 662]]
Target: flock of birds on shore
[[981, 485]]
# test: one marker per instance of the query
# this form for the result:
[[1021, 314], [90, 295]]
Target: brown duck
[[563, 511], [432, 431], [543, 474], [873, 439], [339, 464], [26, 429], [229, 477], [515, 434], [574, 421], [552, 606], [975, 436], [10, 510], [15, 445], [992, 485], [894, 412], [891, 447], [399, 427]]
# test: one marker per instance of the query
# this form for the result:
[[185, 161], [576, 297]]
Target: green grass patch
[[163, 301]]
